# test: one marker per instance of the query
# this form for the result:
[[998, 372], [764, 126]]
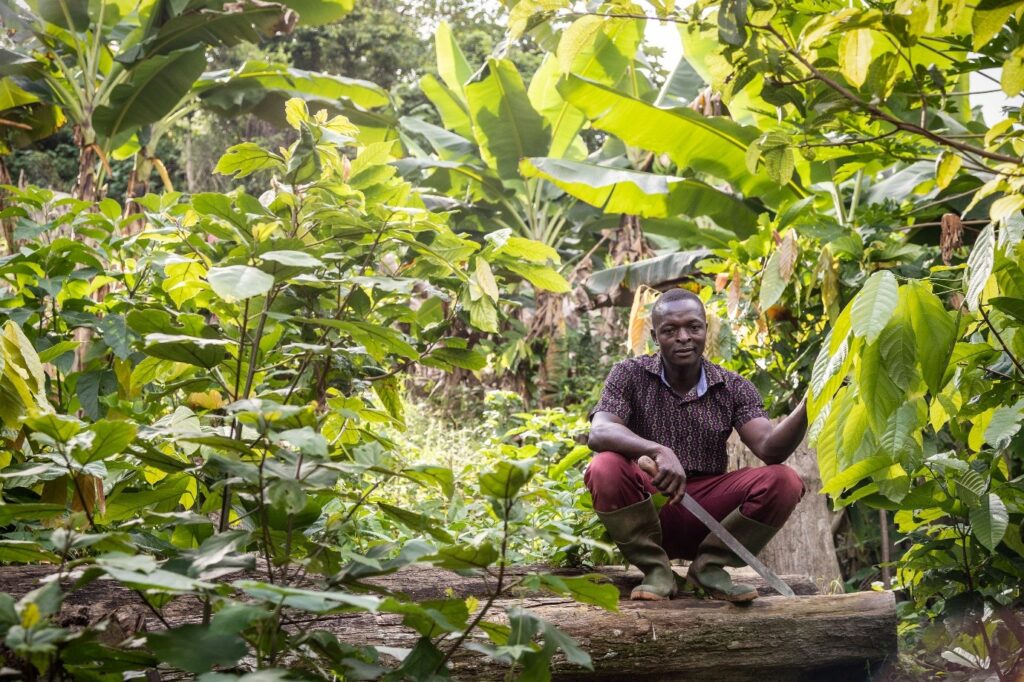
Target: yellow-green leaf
[[989, 18], [1012, 78], [946, 166], [855, 55]]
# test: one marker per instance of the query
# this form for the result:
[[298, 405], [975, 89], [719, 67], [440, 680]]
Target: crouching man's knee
[[613, 481], [775, 496]]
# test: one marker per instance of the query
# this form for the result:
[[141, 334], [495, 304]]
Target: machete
[[650, 467]]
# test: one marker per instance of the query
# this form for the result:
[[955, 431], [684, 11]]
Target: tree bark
[[804, 545], [775, 638]]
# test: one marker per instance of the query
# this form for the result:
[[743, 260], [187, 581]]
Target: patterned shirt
[[695, 426]]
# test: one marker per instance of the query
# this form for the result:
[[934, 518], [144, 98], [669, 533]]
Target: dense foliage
[[195, 385], [187, 451]]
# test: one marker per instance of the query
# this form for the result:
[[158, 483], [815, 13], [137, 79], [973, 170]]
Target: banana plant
[[491, 121], [115, 68]]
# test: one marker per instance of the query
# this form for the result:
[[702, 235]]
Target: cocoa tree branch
[[878, 113], [1006, 349]]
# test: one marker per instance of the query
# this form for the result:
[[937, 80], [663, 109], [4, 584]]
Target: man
[[679, 409]]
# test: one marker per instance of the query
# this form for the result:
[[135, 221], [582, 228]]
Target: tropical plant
[[123, 72], [247, 357], [854, 143]]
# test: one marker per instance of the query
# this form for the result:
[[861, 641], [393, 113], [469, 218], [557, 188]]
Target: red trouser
[[767, 494]]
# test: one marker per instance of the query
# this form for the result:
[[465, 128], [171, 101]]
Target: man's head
[[679, 327]]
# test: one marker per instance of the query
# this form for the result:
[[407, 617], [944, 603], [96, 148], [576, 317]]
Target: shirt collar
[[710, 374]]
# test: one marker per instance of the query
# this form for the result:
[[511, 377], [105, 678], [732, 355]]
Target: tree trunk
[[85, 184], [628, 244], [804, 545], [833, 637]]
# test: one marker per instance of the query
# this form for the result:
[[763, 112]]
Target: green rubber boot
[[637, 532], [707, 572]]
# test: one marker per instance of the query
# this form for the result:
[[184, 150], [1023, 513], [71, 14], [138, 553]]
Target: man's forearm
[[618, 438], [786, 436]]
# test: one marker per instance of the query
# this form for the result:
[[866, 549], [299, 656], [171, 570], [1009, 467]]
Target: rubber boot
[[706, 570], [636, 530]]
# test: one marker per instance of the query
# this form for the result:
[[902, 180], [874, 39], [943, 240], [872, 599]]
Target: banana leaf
[[618, 190], [716, 146]]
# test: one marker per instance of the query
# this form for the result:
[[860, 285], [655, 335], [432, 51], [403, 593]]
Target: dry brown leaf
[[788, 252], [734, 296], [713, 344], [951, 237], [640, 319]]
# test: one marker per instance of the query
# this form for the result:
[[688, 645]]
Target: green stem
[[855, 200]]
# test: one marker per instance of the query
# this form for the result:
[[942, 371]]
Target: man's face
[[680, 330]]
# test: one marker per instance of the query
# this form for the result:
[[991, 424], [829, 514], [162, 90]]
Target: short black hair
[[671, 296]]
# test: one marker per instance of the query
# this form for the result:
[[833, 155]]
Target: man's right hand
[[670, 478]]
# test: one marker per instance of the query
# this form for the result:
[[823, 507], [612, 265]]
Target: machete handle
[[648, 466]]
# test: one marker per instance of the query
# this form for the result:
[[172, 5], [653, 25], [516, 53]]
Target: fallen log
[[834, 637], [810, 637], [424, 582]]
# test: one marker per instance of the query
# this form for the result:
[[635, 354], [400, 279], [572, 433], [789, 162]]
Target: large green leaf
[[565, 120], [688, 233], [247, 158], [540, 276], [152, 90], [451, 62], [874, 305], [593, 588], [416, 521], [854, 474], [897, 345], [235, 91], [448, 145], [196, 648], [934, 329], [315, 601], [163, 497], [506, 126], [319, 12], [238, 22], [376, 339], [239, 282], [1005, 424], [979, 266], [1014, 307], [599, 48], [504, 480], [989, 521], [450, 106], [617, 190], [716, 146], [652, 272], [878, 391], [191, 350], [463, 557], [29, 511], [989, 17], [899, 441], [71, 14], [109, 438]]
